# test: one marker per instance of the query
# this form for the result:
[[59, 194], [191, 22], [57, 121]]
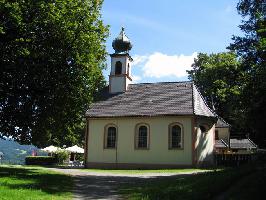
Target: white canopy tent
[[75, 149], [51, 149]]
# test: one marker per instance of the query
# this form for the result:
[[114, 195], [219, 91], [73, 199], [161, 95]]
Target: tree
[[251, 48], [52, 54], [235, 81], [220, 79]]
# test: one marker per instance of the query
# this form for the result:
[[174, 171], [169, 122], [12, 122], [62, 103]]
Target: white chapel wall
[[117, 84]]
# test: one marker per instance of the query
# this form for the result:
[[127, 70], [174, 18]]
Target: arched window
[[118, 68], [110, 137], [175, 136], [142, 137]]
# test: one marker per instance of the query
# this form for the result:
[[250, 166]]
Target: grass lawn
[[200, 186], [144, 171], [33, 183]]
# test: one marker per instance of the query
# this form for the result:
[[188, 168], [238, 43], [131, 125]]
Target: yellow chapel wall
[[204, 144], [158, 152]]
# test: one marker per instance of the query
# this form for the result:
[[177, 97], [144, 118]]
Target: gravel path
[[102, 185]]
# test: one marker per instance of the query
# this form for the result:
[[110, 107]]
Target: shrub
[[61, 156], [80, 157], [40, 160]]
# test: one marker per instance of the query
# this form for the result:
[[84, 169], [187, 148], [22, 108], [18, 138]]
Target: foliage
[[251, 48], [51, 56], [79, 157], [26, 183], [61, 156], [220, 79], [41, 160], [235, 81]]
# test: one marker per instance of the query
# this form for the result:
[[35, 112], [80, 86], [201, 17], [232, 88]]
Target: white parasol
[[51, 149], [75, 149]]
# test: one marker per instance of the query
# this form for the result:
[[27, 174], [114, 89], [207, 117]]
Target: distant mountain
[[14, 153]]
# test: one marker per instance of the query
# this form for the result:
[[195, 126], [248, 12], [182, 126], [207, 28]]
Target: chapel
[[147, 125]]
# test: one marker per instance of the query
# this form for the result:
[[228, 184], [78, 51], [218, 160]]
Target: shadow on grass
[[30, 178], [249, 187], [198, 186], [106, 187]]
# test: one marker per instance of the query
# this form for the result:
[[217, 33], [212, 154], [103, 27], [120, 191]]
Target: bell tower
[[120, 75]]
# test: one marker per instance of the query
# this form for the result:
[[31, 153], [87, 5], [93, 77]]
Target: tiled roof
[[221, 123], [200, 106], [153, 99], [242, 144], [220, 144]]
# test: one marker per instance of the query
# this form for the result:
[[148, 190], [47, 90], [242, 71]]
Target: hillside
[[14, 153]]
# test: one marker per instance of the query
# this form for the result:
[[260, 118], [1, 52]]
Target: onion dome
[[121, 43]]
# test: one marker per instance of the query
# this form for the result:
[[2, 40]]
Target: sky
[[168, 34]]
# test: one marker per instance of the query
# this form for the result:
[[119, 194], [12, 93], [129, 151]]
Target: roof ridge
[[161, 82]]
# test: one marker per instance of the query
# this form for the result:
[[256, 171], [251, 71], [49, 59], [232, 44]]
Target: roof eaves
[[179, 82], [252, 143], [224, 143], [229, 125]]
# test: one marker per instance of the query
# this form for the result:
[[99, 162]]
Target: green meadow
[[33, 183]]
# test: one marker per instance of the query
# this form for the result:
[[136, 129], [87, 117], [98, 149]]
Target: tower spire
[[122, 44], [120, 75]]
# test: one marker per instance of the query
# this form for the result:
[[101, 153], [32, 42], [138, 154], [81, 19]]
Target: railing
[[233, 159]]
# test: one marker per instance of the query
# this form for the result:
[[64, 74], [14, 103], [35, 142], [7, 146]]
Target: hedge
[[40, 160]]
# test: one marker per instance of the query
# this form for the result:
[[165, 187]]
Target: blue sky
[[168, 34]]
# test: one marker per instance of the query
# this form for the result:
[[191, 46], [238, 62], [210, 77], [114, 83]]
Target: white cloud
[[137, 59], [161, 65]]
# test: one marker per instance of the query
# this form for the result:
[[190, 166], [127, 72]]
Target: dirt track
[[102, 185]]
